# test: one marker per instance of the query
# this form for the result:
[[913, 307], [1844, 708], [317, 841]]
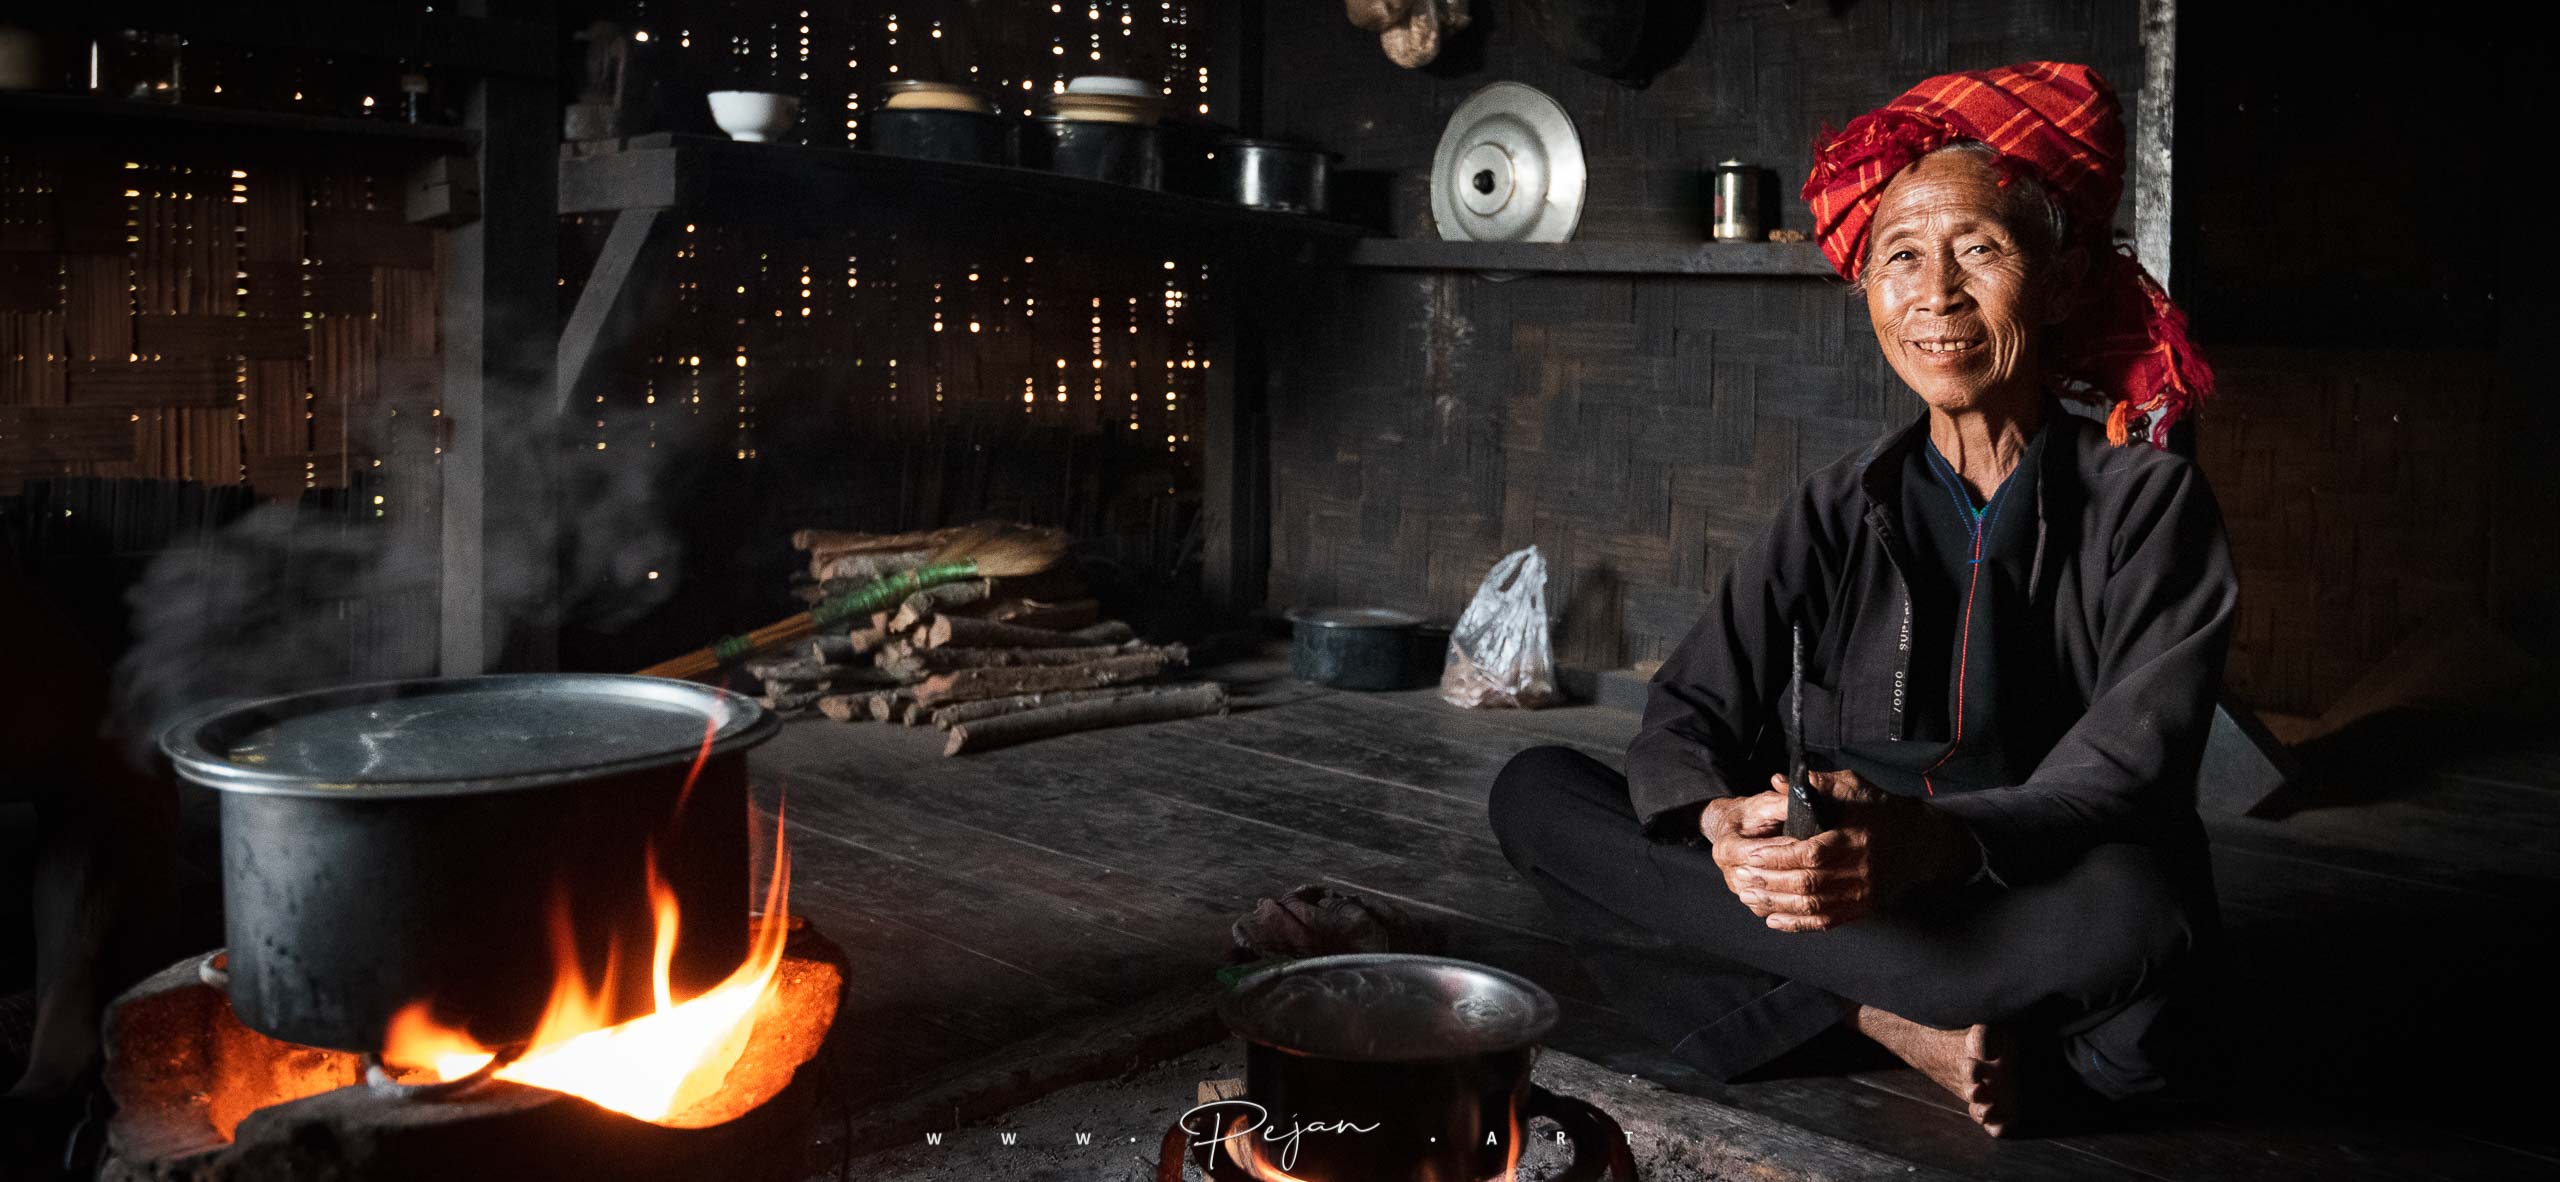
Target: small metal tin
[[1737, 203]]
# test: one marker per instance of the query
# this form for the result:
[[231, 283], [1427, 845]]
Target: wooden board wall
[[1638, 429]]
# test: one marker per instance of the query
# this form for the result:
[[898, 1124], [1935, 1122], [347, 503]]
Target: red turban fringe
[[2061, 122]]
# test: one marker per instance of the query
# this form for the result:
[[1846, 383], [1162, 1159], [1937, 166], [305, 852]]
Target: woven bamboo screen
[[827, 370], [187, 313]]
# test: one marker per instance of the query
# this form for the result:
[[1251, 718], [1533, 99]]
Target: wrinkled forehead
[[1954, 187]]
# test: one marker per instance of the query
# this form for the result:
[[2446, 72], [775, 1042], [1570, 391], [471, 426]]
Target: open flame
[[652, 1067]]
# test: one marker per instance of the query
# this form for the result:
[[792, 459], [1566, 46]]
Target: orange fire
[[653, 1067]]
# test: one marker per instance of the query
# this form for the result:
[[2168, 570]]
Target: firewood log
[[853, 541], [850, 707], [866, 641], [946, 660], [1147, 705], [834, 566], [832, 648], [790, 701], [962, 632], [951, 716], [1057, 617], [880, 622], [838, 679], [885, 706], [805, 673], [967, 685], [932, 599]]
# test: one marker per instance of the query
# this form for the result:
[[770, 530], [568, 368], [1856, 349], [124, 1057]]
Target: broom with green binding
[[978, 554]]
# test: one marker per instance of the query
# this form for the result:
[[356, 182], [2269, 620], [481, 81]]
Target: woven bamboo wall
[[827, 370], [194, 314], [1638, 430]]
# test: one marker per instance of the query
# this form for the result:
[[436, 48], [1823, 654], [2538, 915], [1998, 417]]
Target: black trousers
[[2086, 959]]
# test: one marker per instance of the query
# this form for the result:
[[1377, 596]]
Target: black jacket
[[2113, 655]]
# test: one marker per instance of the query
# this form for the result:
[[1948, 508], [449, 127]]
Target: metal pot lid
[[1509, 169], [1383, 1007], [450, 736], [1354, 617]]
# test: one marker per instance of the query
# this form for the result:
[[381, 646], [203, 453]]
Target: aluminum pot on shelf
[[1274, 174], [415, 840]]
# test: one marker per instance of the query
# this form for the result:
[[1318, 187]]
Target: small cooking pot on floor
[[1364, 648], [427, 840], [1394, 1068]]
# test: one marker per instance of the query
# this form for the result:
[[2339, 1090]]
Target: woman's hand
[[1879, 848]]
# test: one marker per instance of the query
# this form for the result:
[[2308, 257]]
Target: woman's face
[[1954, 296]]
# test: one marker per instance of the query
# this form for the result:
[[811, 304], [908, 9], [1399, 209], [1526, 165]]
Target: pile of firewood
[[992, 662]]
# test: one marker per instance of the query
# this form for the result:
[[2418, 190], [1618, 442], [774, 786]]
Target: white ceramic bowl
[[753, 116]]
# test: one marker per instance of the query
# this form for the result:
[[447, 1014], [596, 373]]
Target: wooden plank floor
[[2380, 947]]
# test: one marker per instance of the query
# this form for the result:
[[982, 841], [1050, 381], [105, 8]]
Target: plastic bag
[[1499, 654]]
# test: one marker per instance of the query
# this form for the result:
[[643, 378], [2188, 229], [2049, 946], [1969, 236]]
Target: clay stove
[[202, 1098]]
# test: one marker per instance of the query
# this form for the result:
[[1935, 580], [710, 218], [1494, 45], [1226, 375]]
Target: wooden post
[[1234, 503], [2155, 115], [499, 324]]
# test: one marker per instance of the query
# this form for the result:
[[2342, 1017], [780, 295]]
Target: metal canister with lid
[[1737, 203]]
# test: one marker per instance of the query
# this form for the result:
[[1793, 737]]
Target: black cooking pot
[[1121, 153], [1364, 648], [1393, 1068], [426, 840], [971, 137]]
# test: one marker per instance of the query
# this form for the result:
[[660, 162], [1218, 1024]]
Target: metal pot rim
[[1542, 1016], [1361, 618], [197, 744]]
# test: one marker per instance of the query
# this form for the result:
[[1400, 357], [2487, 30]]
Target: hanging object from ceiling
[[1509, 169], [1409, 30], [1628, 41]]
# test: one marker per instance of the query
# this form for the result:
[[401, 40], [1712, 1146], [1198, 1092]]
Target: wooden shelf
[[834, 184], [1594, 258], [521, 43], [36, 116]]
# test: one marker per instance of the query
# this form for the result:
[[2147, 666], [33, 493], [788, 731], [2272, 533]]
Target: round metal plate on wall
[[1509, 169]]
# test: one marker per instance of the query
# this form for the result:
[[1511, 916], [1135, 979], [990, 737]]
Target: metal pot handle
[[1598, 1143]]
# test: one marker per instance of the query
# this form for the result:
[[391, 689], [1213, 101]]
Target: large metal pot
[[428, 841], [1394, 1068]]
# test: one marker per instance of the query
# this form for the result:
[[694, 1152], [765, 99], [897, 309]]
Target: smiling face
[[1960, 277]]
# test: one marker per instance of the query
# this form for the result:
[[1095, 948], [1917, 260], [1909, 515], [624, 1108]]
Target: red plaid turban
[[2060, 123]]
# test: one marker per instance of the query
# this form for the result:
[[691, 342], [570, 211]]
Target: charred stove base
[[202, 1098]]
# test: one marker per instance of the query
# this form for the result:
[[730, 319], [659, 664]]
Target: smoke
[[302, 596]]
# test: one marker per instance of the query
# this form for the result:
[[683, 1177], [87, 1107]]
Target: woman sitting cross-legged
[[2014, 625]]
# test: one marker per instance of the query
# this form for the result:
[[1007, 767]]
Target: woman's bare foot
[[1974, 1063]]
